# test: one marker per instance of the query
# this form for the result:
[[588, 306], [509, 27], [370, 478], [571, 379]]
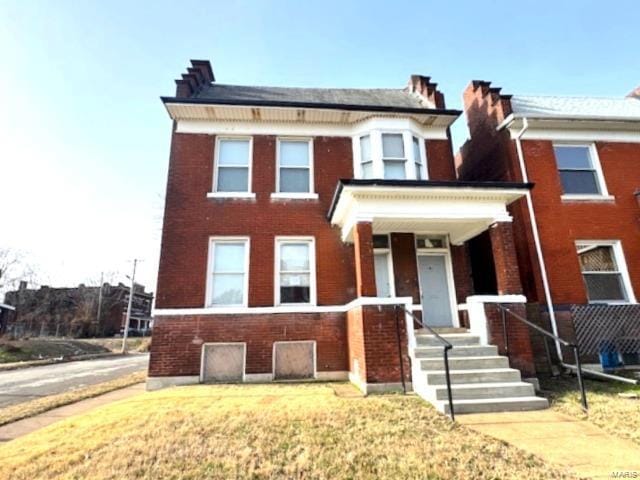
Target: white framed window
[[232, 166], [366, 159], [228, 272], [294, 158], [390, 155], [579, 170], [295, 271], [394, 160], [383, 264], [418, 161], [604, 271]]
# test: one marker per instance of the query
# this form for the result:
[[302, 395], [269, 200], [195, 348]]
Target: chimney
[[635, 93], [23, 285], [426, 89], [198, 75]]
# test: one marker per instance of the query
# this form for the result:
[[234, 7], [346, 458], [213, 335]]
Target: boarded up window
[[223, 362], [294, 360]]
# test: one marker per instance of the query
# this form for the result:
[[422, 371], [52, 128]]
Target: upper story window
[[389, 155], [227, 283], [603, 271], [579, 170], [233, 165], [295, 166]]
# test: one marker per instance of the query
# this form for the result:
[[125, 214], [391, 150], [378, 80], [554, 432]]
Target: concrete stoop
[[481, 380]]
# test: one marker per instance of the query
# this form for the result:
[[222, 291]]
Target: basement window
[[603, 271]]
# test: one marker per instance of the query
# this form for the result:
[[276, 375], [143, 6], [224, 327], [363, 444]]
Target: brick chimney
[[426, 89], [198, 75], [635, 93]]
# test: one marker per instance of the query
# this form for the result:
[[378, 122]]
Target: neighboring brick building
[[77, 311], [583, 156], [303, 226]]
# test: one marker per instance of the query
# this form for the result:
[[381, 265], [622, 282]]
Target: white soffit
[[460, 212], [574, 129], [197, 118]]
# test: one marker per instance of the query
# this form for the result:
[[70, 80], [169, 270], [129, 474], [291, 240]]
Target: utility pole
[[128, 318], [100, 300]]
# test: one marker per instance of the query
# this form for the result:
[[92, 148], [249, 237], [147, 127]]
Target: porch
[[411, 242]]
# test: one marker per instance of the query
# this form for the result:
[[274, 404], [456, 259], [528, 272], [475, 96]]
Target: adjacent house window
[[383, 266], [295, 271], [603, 271], [228, 272], [579, 170], [233, 160], [366, 160], [393, 156], [417, 158], [295, 166]]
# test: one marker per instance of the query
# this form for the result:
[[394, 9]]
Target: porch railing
[[445, 353], [504, 312]]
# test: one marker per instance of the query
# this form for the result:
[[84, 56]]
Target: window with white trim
[[228, 272], [417, 158], [295, 164], [391, 155], [603, 273], [366, 159], [233, 165], [579, 170], [295, 271], [383, 266]]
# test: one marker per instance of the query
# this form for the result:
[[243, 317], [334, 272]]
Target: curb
[[50, 361]]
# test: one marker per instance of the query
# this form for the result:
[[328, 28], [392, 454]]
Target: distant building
[[77, 311], [6, 312]]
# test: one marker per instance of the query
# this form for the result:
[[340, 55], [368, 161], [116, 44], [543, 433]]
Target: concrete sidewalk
[[578, 445], [22, 427]]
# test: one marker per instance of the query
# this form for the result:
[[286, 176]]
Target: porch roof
[[459, 209]]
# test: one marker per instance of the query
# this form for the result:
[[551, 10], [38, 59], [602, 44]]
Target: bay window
[[389, 155]]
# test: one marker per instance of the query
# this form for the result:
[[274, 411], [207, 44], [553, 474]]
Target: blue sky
[[84, 139]]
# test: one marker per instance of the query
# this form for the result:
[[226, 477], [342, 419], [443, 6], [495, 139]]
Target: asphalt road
[[25, 384]]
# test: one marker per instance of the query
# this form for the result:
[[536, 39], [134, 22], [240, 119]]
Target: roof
[[377, 99], [576, 107], [424, 184]]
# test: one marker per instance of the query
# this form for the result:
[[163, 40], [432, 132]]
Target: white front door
[[434, 290]]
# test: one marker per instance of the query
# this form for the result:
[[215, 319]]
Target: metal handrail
[[445, 353], [573, 346]]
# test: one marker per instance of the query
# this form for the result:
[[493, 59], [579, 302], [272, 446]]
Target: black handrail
[[576, 353], [447, 346]]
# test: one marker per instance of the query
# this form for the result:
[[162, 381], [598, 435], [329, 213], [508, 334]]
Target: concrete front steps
[[481, 380]]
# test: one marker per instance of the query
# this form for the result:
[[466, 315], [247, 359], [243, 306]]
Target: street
[[25, 384]]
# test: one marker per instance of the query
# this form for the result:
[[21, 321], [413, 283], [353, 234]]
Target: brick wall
[[355, 340], [405, 268], [177, 341], [191, 218], [520, 350]]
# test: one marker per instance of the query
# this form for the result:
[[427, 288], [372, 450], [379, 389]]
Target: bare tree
[[14, 269]]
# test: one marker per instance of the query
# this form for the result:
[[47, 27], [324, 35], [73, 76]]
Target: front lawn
[[617, 414], [44, 348], [255, 431]]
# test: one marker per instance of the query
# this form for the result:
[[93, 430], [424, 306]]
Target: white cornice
[[574, 129]]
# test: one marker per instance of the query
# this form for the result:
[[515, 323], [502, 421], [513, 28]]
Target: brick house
[[309, 232], [578, 234]]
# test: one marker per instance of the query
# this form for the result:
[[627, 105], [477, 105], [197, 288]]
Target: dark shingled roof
[[383, 97], [375, 99]]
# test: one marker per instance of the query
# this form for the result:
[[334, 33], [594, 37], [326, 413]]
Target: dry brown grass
[[40, 405], [276, 431], [618, 415]]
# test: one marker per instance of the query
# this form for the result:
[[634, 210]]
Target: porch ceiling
[[461, 210]]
